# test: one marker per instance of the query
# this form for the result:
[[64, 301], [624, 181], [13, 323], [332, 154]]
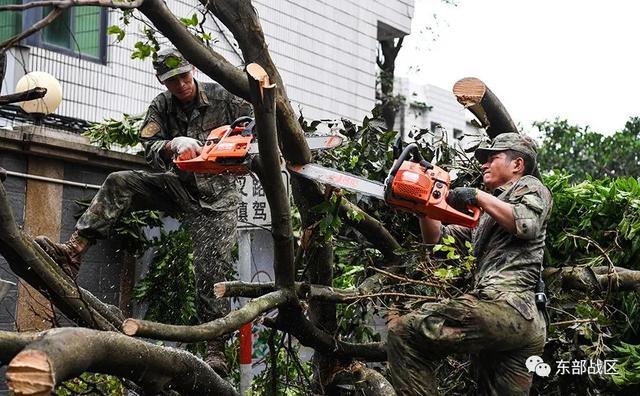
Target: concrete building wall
[[427, 106]]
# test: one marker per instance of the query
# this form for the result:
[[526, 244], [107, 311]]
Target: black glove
[[461, 197]]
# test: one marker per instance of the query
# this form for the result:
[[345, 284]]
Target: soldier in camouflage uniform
[[176, 122], [498, 321]]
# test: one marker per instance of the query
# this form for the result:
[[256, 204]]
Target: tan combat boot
[[67, 255]]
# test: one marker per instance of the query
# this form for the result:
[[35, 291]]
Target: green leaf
[[117, 31]]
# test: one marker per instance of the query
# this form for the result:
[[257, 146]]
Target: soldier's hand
[[461, 197], [185, 147]]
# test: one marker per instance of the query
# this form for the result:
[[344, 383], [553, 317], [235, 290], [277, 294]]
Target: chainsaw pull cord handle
[[413, 150]]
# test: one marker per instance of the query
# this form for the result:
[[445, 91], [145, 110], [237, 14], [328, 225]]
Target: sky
[[576, 60]]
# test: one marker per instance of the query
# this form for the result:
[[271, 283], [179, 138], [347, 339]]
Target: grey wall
[[100, 271]]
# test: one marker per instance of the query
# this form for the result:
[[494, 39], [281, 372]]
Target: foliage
[[593, 223], [124, 132], [280, 357], [606, 211], [169, 287], [583, 153], [149, 47], [91, 384]]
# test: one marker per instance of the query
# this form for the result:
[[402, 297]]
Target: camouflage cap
[[508, 141], [169, 62]]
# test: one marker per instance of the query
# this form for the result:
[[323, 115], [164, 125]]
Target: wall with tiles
[[325, 51]]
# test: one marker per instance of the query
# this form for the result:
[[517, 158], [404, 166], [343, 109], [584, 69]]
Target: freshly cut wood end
[[259, 74], [30, 373], [219, 289], [130, 327], [469, 91]]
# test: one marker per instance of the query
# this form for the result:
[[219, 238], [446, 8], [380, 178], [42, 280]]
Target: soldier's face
[[498, 170], [182, 87]]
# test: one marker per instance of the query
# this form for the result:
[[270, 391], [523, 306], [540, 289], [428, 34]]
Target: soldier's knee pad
[[118, 179]]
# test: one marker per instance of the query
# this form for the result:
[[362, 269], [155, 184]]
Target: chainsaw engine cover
[[425, 192], [227, 156]]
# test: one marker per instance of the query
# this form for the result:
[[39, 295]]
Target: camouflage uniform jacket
[[508, 265], [167, 118]]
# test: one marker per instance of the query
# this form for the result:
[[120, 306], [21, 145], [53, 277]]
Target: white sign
[[253, 211]]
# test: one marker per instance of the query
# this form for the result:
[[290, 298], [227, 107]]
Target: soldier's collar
[[203, 100], [504, 187]]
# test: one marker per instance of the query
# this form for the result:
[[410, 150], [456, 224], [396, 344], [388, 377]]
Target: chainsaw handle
[[413, 150], [239, 121], [476, 211]]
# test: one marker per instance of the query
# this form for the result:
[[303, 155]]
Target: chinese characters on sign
[[253, 211]]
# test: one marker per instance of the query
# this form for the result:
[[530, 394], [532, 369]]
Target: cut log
[[474, 95]]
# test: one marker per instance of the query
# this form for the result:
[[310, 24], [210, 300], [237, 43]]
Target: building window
[[80, 30], [434, 126], [10, 21], [457, 133], [77, 31]]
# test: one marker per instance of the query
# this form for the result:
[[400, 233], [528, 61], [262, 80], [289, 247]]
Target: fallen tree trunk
[[59, 354]]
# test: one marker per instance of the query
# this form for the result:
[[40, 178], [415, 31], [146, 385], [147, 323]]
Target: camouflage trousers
[[213, 233], [499, 337]]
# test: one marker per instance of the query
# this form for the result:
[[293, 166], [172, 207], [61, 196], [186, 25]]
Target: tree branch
[[474, 95], [74, 3], [30, 94], [306, 291], [11, 41], [373, 231], [44, 363], [240, 17], [206, 331], [300, 327], [204, 58], [27, 260], [269, 168], [593, 279]]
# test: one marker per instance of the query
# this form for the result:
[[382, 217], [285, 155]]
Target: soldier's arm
[[526, 210], [430, 230], [502, 212], [155, 139], [433, 231]]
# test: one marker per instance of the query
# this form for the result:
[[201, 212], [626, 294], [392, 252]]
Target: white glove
[[185, 148]]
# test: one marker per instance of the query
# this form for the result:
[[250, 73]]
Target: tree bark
[[31, 94], [374, 232], [44, 363], [387, 54], [204, 58], [593, 279], [206, 331], [474, 95], [30, 263]]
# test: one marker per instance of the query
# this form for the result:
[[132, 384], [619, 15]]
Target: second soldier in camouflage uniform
[[176, 122], [498, 321]]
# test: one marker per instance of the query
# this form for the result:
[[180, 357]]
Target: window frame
[[33, 15]]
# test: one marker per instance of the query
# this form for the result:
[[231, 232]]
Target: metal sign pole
[[246, 347]]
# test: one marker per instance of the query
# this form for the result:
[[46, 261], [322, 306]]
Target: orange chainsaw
[[228, 149], [412, 184]]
